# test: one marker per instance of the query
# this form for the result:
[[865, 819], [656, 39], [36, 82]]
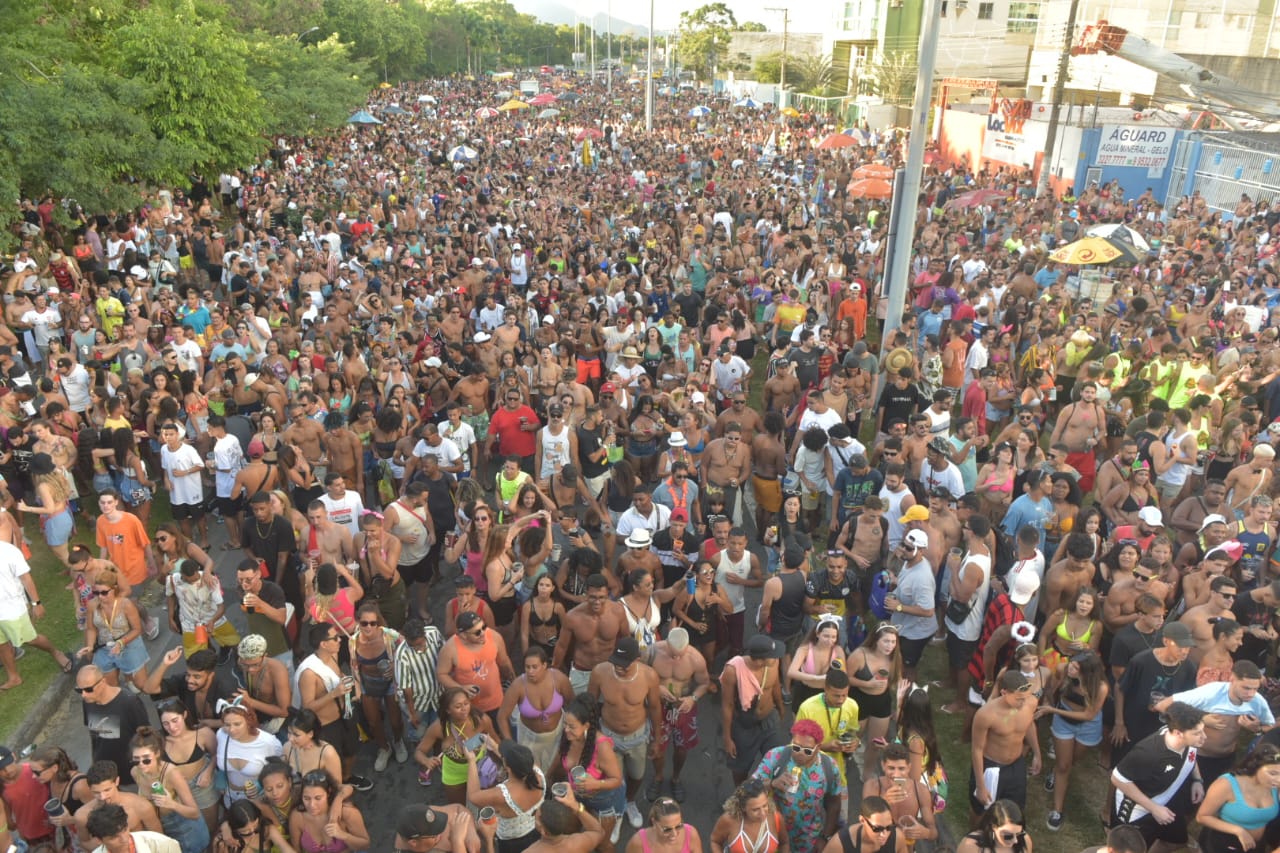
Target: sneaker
[[360, 783], [402, 752], [617, 831], [424, 778], [633, 816], [380, 763], [1050, 781], [1054, 821]]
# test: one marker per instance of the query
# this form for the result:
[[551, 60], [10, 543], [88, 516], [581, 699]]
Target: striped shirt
[[416, 670]]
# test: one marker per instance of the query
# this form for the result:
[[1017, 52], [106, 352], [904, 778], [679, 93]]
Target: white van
[[529, 87]]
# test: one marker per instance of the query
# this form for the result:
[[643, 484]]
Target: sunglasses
[[102, 593], [145, 762], [1010, 837], [876, 828], [90, 688], [373, 623], [316, 777], [806, 751], [247, 832]]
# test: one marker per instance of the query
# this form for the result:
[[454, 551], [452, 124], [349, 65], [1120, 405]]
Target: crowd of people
[[584, 390]]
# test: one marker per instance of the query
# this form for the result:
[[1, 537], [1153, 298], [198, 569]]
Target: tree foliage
[[812, 75], [705, 34], [752, 27], [99, 100], [891, 76]]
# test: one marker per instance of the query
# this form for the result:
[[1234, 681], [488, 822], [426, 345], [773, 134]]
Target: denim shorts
[[1087, 733], [58, 528], [131, 659]]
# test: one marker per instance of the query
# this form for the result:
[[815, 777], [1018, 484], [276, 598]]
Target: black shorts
[[343, 735], [182, 512], [423, 571], [229, 507], [912, 650], [959, 652], [1011, 784]]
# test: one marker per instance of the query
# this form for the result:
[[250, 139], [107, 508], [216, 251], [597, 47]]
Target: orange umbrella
[[836, 140], [874, 170], [871, 188]]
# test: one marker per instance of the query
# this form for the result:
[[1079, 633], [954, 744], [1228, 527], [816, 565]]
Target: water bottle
[[690, 582]]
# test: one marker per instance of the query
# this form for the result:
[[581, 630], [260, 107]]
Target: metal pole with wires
[[902, 218], [1055, 110]]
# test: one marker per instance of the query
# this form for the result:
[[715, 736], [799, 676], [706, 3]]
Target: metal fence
[[1228, 165]]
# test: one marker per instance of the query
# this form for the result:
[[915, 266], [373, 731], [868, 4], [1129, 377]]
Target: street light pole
[[306, 33], [1055, 110], [608, 47], [648, 77], [782, 70]]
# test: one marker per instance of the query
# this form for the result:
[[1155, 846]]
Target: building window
[[986, 11], [1023, 16], [944, 8]]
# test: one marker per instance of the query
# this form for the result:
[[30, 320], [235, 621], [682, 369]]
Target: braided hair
[[583, 708]]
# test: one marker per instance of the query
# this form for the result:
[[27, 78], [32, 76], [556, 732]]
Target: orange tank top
[[480, 667]]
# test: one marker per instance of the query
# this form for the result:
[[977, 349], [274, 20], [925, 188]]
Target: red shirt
[[504, 425], [26, 797], [975, 406]]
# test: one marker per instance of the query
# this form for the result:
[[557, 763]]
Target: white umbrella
[[549, 112], [463, 154], [749, 102], [1122, 233], [699, 112]]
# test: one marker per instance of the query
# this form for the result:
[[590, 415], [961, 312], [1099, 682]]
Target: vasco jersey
[[1157, 771]]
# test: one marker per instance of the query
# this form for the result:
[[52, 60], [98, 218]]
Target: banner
[[1135, 146]]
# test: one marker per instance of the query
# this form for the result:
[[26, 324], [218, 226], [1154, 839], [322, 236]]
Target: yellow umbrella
[[1088, 250], [514, 104], [384, 85], [791, 112]]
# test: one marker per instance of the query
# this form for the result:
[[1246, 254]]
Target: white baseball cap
[[1025, 585], [1152, 516], [916, 539]]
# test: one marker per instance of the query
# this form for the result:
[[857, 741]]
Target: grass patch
[[37, 669]]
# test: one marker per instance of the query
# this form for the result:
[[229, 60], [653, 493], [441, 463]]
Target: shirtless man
[[726, 464], [305, 434], [582, 396], [1065, 578], [769, 454], [750, 696], [268, 692], [590, 633], [1002, 730], [864, 539], [1252, 478], [738, 412], [683, 679], [915, 445], [472, 391], [1195, 586], [324, 541], [1116, 470], [944, 521], [1081, 426], [104, 782], [507, 336], [1120, 605], [59, 447], [904, 794], [1189, 515], [630, 712], [1200, 619], [346, 456], [782, 392]]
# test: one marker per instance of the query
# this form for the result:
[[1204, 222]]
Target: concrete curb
[[42, 710]]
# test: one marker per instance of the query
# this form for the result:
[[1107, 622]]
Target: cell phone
[[475, 742]]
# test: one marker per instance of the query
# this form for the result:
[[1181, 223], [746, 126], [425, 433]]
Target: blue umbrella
[[362, 117], [462, 154], [396, 111], [748, 102], [699, 112]]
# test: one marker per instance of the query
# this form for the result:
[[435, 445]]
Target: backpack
[[875, 598], [1005, 555]]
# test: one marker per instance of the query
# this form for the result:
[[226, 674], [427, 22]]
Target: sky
[[812, 17]]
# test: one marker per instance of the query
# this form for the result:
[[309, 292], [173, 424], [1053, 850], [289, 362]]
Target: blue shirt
[[197, 320], [1046, 278], [1213, 698], [1024, 512]]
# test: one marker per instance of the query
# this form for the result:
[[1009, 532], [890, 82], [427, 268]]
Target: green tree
[[768, 68], [297, 83], [891, 76], [753, 27], [704, 36], [812, 74]]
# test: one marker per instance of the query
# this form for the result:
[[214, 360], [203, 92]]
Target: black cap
[[763, 647], [625, 653], [420, 821]]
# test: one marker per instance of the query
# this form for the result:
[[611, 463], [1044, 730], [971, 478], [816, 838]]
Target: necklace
[[626, 680], [258, 527]]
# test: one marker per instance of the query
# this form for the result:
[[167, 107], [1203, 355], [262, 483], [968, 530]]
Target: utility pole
[[1055, 110], [782, 70], [591, 30], [902, 218], [648, 77], [608, 47]]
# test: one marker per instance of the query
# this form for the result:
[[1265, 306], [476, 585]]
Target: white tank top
[[735, 594], [971, 628], [892, 512], [555, 448], [1178, 472]]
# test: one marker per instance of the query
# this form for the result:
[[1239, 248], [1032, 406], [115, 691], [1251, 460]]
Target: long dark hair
[[915, 718], [583, 707], [240, 814], [1000, 813]]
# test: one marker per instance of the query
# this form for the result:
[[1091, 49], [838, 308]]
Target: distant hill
[[554, 12]]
